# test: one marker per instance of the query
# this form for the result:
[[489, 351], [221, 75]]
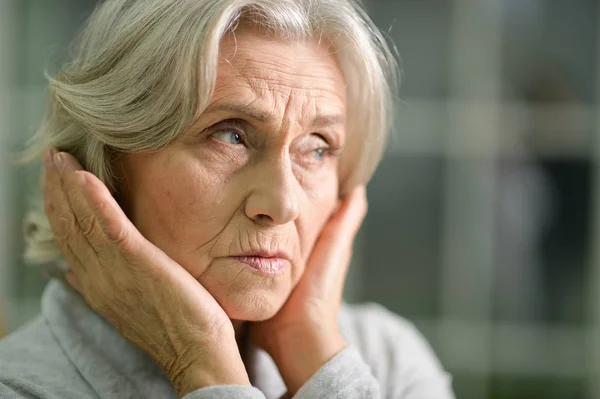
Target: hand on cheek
[[304, 334], [135, 285]]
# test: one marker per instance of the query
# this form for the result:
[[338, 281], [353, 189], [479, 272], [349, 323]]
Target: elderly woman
[[204, 171]]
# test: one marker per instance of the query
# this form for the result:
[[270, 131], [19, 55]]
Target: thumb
[[331, 255]]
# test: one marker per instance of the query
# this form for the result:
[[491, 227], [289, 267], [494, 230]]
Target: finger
[[100, 217], [67, 227], [340, 230], [54, 205], [349, 216], [331, 255], [73, 180]]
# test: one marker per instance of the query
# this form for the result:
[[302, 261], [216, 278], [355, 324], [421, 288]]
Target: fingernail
[[59, 160], [81, 179]]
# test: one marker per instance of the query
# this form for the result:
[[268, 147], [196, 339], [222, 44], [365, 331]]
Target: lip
[[263, 254], [264, 262]]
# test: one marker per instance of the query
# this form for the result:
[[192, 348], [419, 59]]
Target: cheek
[[181, 209]]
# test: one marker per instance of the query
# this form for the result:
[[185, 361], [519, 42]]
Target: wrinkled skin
[[257, 172], [210, 199]]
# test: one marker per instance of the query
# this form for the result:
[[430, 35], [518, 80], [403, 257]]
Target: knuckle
[[64, 228], [120, 237], [88, 225]]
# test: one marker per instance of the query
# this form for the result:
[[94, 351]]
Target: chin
[[244, 294], [252, 304]]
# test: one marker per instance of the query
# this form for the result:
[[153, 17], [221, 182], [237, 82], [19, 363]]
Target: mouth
[[263, 262]]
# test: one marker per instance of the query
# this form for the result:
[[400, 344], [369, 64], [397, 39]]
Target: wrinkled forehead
[[260, 67]]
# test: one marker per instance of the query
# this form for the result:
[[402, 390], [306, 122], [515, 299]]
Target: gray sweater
[[70, 352]]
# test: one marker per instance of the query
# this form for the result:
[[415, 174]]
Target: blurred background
[[484, 219]]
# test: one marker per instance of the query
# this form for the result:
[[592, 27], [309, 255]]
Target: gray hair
[[144, 70]]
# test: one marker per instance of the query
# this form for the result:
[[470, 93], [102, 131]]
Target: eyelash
[[230, 125], [328, 150], [236, 126]]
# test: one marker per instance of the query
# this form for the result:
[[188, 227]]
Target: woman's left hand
[[304, 334]]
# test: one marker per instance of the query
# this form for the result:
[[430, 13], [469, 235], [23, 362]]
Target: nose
[[273, 198]]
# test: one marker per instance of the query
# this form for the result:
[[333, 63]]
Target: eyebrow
[[266, 117]]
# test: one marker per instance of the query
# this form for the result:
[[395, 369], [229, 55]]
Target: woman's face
[[240, 198]]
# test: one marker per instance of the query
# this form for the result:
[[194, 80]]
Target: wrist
[[197, 379], [300, 354], [199, 375]]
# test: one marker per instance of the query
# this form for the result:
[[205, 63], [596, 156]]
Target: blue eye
[[228, 136], [318, 154]]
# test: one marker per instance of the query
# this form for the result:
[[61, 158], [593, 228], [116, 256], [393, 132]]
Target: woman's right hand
[[149, 298]]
